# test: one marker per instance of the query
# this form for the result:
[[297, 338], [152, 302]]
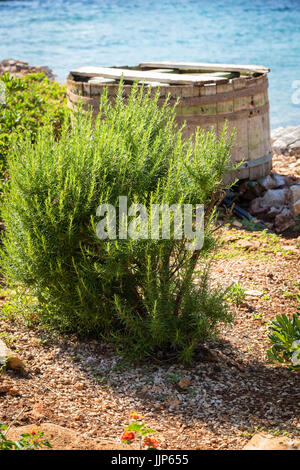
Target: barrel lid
[[171, 73]]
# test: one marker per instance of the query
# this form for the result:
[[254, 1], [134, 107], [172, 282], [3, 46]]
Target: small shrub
[[30, 102], [140, 294], [137, 430], [284, 334], [237, 293], [33, 440]]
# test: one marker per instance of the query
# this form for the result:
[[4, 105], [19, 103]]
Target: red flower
[[128, 436], [136, 416], [150, 442], [33, 433]]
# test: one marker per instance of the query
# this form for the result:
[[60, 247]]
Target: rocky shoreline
[[17, 68]]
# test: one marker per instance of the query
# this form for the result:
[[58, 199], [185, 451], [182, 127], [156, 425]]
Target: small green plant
[[284, 334], [31, 102], [33, 440], [137, 430], [7, 338], [251, 225], [174, 378], [256, 316], [237, 294]]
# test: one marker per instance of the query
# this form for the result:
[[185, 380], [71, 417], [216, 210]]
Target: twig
[[14, 420]]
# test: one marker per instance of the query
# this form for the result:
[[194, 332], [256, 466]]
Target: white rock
[[268, 182], [295, 192], [279, 146], [253, 293], [296, 208], [278, 179], [275, 198], [284, 220], [287, 138], [276, 133]]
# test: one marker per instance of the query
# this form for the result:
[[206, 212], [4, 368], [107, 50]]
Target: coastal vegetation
[[139, 294], [29, 103]]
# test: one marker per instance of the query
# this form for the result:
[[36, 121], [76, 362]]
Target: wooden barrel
[[241, 100]]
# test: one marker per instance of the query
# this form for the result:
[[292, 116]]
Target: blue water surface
[[69, 33]]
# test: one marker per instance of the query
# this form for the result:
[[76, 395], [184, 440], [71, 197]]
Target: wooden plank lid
[[149, 76], [247, 69]]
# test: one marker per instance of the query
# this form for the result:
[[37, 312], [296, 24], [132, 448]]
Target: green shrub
[[27, 441], [140, 294], [30, 102], [284, 334], [237, 293]]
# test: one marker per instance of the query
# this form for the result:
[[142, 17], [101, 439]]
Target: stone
[[4, 388], [296, 208], [18, 68], [256, 207], [248, 244], [9, 359], [275, 198], [13, 392], [253, 293], [184, 383], [279, 146], [295, 193], [286, 140], [173, 403], [295, 146], [284, 220], [261, 441], [268, 182], [237, 224], [272, 213], [279, 180]]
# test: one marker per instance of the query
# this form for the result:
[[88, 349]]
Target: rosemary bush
[[140, 294]]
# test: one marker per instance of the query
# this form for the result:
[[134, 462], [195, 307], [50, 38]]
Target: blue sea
[[64, 34]]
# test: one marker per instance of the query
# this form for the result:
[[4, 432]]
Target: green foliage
[[237, 293], [140, 294], [251, 225], [30, 102], [284, 334], [137, 429], [27, 441]]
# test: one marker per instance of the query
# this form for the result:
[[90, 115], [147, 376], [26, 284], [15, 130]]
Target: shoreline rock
[[286, 140], [17, 68]]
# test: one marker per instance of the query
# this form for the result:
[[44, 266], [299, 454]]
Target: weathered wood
[[153, 84], [101, 80], [247, 69], [172, 78]]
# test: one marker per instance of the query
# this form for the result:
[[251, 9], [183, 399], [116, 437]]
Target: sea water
[[64, 34]]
